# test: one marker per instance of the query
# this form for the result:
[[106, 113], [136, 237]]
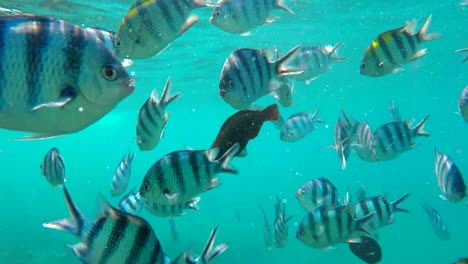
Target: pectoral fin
[[55, 104]]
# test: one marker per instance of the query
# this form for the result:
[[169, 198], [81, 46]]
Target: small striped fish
[[52, 76], [449, 178], [241, 16], [463, 104], [181, 175], [151, 25], [330, 225], [53, 167], [393, 48], [171, 210], [341, 144], [299, 125], [316, 193], [131, 203], [114, 237], [437, 224], [364, 145], [463, 50], [266, 230], [382, 208], [281, 224], [152, 118], [248, 74], [122, 175]]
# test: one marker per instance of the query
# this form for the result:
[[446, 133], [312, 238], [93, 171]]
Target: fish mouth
[[222, 92], [212, 19], [129, 87]]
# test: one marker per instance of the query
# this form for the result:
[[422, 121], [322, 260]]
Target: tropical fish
[[104, 35], [342, 144], [365, 145], [122, 175], [316, 193], [57, 78], [281, 224], [299, 125], [266, 230], [53, 167], [437, 224], [241, 16], [171, 210], [181, 175], [242, 127], [449, 178], [151, 25], [391, 49], [131, 203], [152, 118], [463, 104]]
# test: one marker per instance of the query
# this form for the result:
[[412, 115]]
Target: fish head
[[149, 190], [305, 234], [225, 18], [373, 67], [231, 93]]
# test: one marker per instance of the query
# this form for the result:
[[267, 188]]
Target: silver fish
[[53, 167], [297, 126], [437, 224], [266, 230], [53, 70], [131, 203], [152, 118], [365, 143], [449, 178], [281, 224], [316, 193], [171, 210], [122, 175], [463, 104]]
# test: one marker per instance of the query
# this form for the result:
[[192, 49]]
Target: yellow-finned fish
[[391, 49]]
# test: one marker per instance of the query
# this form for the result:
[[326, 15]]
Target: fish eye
[[363, 66], [118, 43], [303, 191], [109, 72], [300, 231], [146, 187], [217, 13]]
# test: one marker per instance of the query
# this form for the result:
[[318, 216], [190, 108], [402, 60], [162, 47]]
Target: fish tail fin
[[165, 98], [282, 71], [193, 204], [75, 225], [224, 161], [396, 204], [271, 112], [314, 116], [361, 224], [208, 253], [418, 129], [422, 33], [280, 4], [333, 53]]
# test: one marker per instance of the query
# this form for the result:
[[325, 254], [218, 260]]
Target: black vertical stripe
[[182, 10], [333, 195], [149, 106], [149, 24], [115, 237], [159, 175], [349, 224], [3, 40], [95, 231], [234, 71], [396, 36], [258, 69], [410, 41], [315, 199], [244, 66], [76, 41], [386, 50], [377, 208], [326, 222], [398, 131], [195, 169], [157, 253], [325, 197], [312, 224], [206, 164], [389, 138], [408, 136], [379, 138], [175, 160], [167, 16], [339, 223], [141, 239], [388, 210]]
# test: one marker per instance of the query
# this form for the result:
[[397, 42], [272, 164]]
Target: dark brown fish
[[368, 250], [242, 127]]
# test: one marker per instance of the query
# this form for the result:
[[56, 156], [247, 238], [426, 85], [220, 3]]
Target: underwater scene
[[253, 131]]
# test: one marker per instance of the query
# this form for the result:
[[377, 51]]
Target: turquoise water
[[428, 86]]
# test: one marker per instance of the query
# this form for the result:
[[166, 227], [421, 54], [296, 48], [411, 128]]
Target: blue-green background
[[428, 86]]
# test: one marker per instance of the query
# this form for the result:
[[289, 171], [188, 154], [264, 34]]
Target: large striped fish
[[55, 78], [437, 224], [449, 178], [151, 25], [181, 175], [53, 167], [316, 193], [249, 74], [393, 48], [241, 16]]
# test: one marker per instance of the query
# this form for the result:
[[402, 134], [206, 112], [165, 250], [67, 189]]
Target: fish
[[104, 35], [131, 203], [122, 175], [463, 104], [365, 145], [314, 60], [394, 48], [114, 237], [394, 112], [171, 210], [368, 250], [462, 260], [242, 127], [342, 144], [55, 71], [53, 168], [463, 50], [266, 231], [152, 118], [298, 125], [449, 178], [316, 193], [173, 227], [329, 225], [181, 175], [281, 224], [350, 125], [241, 16], [437, 224], [150, 26], [382, 208], [243, 82]]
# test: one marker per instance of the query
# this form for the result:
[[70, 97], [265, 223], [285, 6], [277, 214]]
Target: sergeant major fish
[[437, 224], [281, 224], [365, 146], [299, 125], [342, 142], [122, 175], [393, 48], [53, 167], [316, 193], [53, 70], [181, 175], [266, 231], [152, 118], [131, 203], [449, 178]]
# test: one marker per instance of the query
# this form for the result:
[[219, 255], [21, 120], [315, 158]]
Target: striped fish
[[114, 237], [281, 224], [382, 208], [463, 104], [266, 230], [171, 210], [341, 144], [241, 16], [131, 203], [152, 118], [249, 74], [181, 175], [53, 75], [463, 50], [449, 178], [437, 224], [316, 193], [391, 49], [53, 167], [151, 25], [330, 225], [298, 125], [314, 60], [365, 145], [122, 175], [104, 35]]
